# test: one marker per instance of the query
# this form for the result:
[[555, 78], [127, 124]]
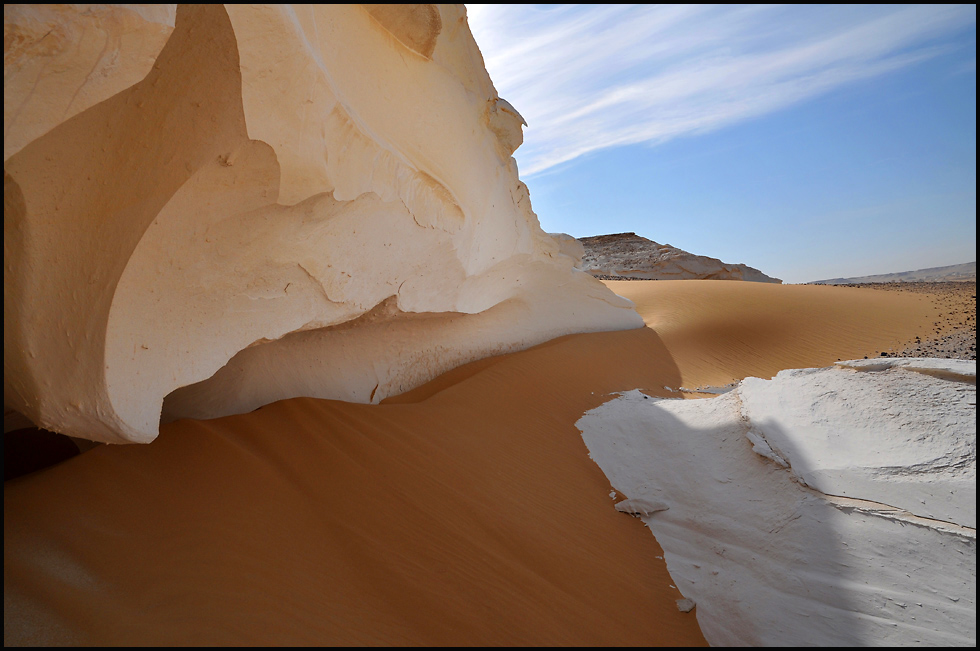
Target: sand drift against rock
[[288, 248], [465, 511]]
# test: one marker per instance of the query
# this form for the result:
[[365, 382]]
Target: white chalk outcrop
[[230, 205], [627, 255], [824, 507]]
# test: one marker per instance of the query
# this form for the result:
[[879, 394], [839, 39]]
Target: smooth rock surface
[[759, 531], [901, 432]]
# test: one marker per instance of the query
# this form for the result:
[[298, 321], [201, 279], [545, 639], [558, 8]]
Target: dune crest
[[262, 202]]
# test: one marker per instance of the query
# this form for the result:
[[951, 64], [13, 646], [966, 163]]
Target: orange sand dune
[[464, 512], [719, 331]]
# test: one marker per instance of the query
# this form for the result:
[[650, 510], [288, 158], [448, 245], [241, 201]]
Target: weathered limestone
[[259, 202]]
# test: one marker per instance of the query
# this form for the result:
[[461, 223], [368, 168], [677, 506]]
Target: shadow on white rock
[[823, 507]]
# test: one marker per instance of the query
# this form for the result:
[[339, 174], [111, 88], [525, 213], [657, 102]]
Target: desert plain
[[466, 511]]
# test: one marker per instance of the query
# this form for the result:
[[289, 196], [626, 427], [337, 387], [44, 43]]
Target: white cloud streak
[[596, 76]]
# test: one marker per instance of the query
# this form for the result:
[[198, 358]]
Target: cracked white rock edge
[[866, 536]]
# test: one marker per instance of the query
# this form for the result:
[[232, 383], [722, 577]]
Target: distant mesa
[[953, 273], [628, 256]]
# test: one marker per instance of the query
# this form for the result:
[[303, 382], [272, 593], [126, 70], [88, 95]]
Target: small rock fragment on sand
[[640, 507]]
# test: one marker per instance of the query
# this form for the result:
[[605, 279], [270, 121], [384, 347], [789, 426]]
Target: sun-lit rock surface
[[629, 256], [321, 197], [881, 430], [824, 507]]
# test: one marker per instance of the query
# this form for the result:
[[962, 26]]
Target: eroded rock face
[[627, 255], [260, 202]]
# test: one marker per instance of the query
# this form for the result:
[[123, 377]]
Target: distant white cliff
[[956, 272]]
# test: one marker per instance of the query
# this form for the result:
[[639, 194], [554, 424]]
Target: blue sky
[[809, 142]]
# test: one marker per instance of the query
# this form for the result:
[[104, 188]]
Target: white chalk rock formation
[[824, 507], [627, 255], [904, 439], [571, 247], [229, 205]]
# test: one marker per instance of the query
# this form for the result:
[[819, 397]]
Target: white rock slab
[[905, 439], [771, 560]]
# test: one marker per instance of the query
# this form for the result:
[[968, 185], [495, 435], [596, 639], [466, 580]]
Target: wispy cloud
[[596, 76]]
